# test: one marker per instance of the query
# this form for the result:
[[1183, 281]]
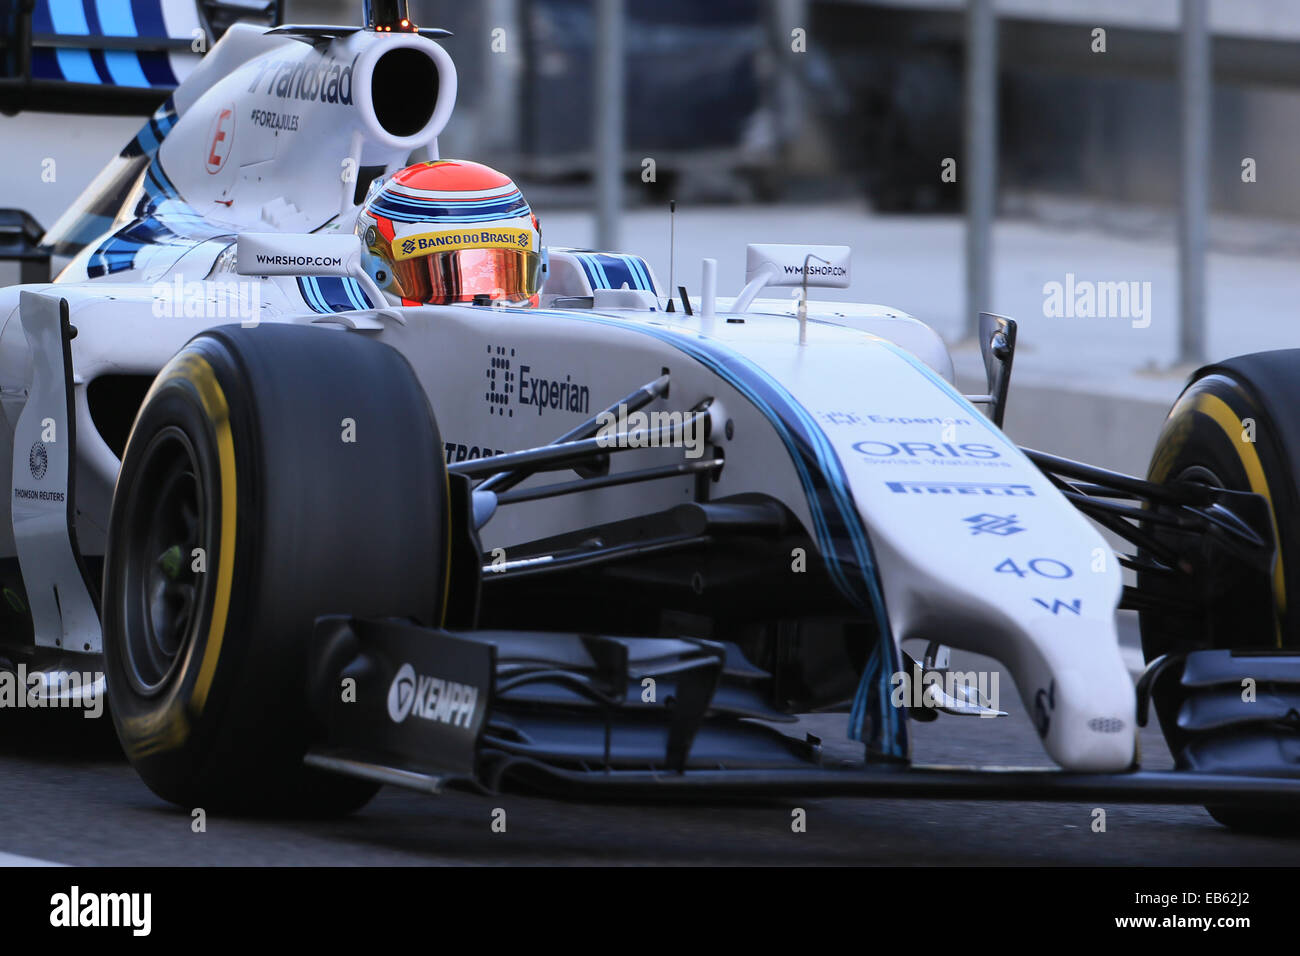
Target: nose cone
[[1091, 739], [1086, 711]]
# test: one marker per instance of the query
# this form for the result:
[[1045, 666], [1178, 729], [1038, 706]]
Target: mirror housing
[[298, 254], [784, 264], [998, 348], [304, 254]]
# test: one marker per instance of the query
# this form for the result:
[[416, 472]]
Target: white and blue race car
[[320, 533]]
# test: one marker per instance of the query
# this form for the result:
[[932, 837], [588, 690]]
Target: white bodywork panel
[[890, 324], [63, 614]]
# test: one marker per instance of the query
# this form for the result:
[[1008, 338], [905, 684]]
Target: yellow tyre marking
[[167, 729], [1173, 436], [200, 374]]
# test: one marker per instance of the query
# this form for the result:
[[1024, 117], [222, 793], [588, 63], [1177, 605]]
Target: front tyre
[[273, 474], [1235, 426]]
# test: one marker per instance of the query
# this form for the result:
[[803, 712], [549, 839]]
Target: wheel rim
[[164, 594]]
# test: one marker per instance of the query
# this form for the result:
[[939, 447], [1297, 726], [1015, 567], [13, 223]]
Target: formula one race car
[[342, 478]]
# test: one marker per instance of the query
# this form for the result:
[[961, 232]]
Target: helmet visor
[[462, 274]]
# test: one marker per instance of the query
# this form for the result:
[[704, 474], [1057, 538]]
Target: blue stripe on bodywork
[[109, 18], [99, 61], [45, 66], [619, 271], [157, 68], [153, 132], [615, 271], [42, 20], [639, 267], [837, 525], [158, 186], [124, 68], [75, 66], [91, 12], [607, 270], [149, 18], [164, 118], [355, 293], [115, 252], [328, 294], [638, 277], [310, 294], [348, 294], [115, 19], [595, 274], [67, 17], [179, 225]]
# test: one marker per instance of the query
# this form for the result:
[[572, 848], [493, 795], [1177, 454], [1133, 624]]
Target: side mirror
[[777, 264], [998, 348], [304, 254], [297, 254]]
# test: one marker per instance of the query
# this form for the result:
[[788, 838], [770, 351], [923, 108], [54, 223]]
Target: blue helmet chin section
[[837, 526]]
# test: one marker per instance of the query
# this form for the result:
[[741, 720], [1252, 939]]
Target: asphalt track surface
[[84, 805]]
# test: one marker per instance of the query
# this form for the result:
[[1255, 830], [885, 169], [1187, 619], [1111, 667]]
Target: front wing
[[586, 715]]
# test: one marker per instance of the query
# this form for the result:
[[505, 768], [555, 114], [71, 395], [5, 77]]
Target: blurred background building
[[715, 93]]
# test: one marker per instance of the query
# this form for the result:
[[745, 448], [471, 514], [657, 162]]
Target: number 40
[[1043, 567]]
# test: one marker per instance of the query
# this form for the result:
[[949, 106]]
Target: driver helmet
[[451, 231]]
